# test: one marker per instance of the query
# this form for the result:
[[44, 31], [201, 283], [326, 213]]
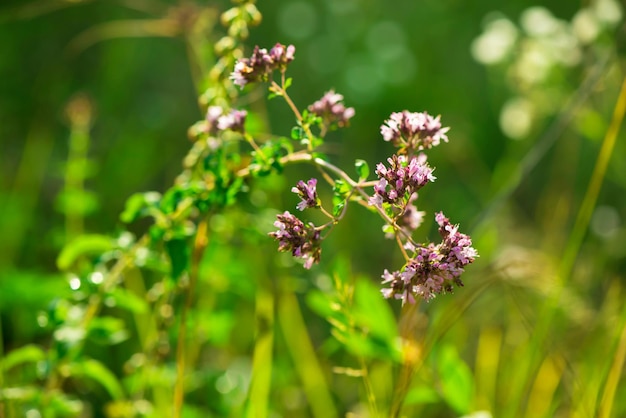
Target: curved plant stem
[[412, 356], [262, 359], [369, 389], [615, 372], [593, 190]]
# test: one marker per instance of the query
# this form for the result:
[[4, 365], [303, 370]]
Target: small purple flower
[[302, 240], [331, 110], [280, 55], [433, 269], [261, 64], [218, 121], [401, 180], [308, 193], [234, 121], [412, 131]]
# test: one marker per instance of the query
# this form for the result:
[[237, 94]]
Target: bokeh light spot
[[298, 20]]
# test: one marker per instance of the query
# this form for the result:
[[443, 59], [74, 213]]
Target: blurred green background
[[518, 191]]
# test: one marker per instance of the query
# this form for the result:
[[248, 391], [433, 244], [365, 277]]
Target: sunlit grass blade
[[593, 190], [258, 398], [541, 397], [615, 373], [575, 240], [303, 354], [487, 363]]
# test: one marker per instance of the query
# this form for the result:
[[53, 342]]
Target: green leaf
[[362, 169], [372, 312], [81, 246], [338, 208], [218, 326], [173, 197], [363, 345], [108, 330], [98, 372], [316, 142], [235, 187], [62, 405], [457, 385], [127, 300], [419, 395], [297, 133], [321, 303], [288, 83], [23, 355], [388, 229], [341, 188], [136, 204], [179, 254]]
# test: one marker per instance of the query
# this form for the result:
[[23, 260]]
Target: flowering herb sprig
[[303, 240], [262, 64], [333, 113], [429, 268], [413, 131]]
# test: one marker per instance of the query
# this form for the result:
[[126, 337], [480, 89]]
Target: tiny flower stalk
[[411, 325]]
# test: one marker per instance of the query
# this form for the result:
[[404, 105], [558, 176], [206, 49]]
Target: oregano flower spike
[[398, 182], [262, 64], [413, 131], [303, 240], [433, 269], [308, 193], [332, 111], [218, 121]]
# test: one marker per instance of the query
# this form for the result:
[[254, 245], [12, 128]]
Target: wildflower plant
[[430, 269], [164, 265], [189, 310]]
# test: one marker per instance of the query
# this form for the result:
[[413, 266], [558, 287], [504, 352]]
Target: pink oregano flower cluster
[[261, 64], [413, 131], [431, 268], [331, 109], [302, 240], [218, 121]]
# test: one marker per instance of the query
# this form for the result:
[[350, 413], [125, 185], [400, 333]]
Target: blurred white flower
[[533, 63], [608, 12], [516, 117], [538, 21], [496, 42], [586, 26]]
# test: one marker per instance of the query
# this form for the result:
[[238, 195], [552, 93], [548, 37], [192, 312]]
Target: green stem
[[615, 372], [199, 246], [303, 156], [304, 358], [369, 389], [258, 399], [412, 356], [79, 113], [593, 190]]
